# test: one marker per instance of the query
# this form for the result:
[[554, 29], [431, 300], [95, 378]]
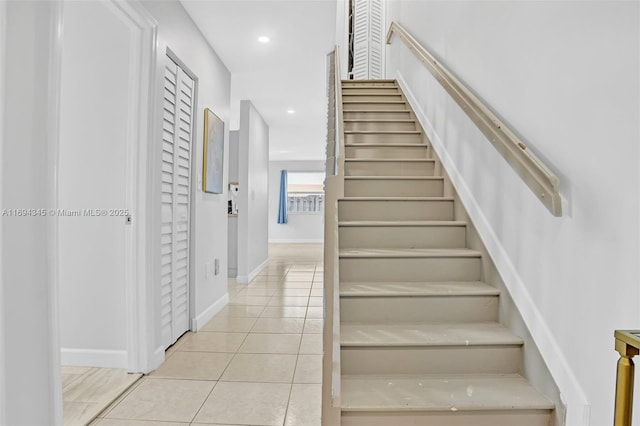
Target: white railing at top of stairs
[[334, 189], [540, 179], [335, 133]]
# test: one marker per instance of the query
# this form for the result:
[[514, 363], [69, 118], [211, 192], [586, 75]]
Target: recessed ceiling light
[[291, 111], [264, 39]]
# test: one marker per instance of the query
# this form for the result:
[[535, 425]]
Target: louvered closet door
[[368, 39], [361, 40], [176, 178]]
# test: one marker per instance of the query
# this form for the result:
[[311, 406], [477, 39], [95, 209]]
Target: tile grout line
[[278, 288], [293, 378], [204, 401], [227, 367]]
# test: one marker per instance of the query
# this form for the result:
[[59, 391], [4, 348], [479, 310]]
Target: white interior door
[[176, 178], [368, 39]]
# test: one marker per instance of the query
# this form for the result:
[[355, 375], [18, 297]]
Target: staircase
[[420, 341]]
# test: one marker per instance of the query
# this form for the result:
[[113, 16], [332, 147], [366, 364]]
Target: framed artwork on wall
[[213, 153]]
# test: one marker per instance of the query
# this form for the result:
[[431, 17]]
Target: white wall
[[300, 227], [564, 76], [95, 90], [234, 145], [253, 202], [30, 369], [177, 31]]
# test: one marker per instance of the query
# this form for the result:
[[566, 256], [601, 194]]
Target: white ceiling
[[289, 72]]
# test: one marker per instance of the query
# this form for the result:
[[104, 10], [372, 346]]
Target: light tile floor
[[258, 362]]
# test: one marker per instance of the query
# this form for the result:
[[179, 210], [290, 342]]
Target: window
[[305, 192]]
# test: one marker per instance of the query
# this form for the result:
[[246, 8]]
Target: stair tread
[[370, 101], [394, 178], [381, 223], [383, 132], [387, 145], [373, 93], [421, 334], [367, 81], [444, 288], [407, 252], [440, 392], [379, 120], [380, 111], [391, 160], [395, 199]]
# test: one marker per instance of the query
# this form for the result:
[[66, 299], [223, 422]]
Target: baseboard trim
[[577, 407], [299, 241], [198, 322], [94, 358], [246, 279]]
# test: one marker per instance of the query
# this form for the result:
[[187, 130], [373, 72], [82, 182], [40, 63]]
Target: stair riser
[[378, 97], [380, 126], [419, 309], [381, 90], [376, 106], [376, 115], [391, 168], [402, 237], [432, 360], [410, 269], [386, 152], [367, 85], [349, 210], [457, 418], [382, 138], [394, 188]]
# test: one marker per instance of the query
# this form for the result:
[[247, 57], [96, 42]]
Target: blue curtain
[[282, 205]]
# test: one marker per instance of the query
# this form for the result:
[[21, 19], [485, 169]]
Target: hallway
[[257, 362]]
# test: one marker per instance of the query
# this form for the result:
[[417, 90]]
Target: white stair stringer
[[420, 338]]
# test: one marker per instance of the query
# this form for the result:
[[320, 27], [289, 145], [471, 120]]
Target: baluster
[[624, 379]]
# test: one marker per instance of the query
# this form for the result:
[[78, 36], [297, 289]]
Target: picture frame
[[212, 173]]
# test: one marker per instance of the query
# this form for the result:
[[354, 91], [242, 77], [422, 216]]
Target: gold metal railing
[[628, 345]]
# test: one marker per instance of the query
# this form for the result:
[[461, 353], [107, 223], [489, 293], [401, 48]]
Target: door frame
[[140, 293], [3, 38]]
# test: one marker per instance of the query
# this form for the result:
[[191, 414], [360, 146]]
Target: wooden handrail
[[628, 346], [540, 179]]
